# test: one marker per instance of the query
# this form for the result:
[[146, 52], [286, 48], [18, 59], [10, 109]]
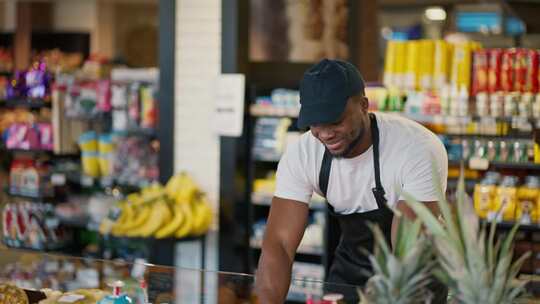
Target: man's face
[[339, 137]]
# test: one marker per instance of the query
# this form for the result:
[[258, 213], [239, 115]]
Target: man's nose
[[325, 133]]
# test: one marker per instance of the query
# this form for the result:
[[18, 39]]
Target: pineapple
[[400, 276], [475, 267]]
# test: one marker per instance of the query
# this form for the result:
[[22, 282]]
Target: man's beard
[[351, 146]]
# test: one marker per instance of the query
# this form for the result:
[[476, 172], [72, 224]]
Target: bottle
[[484, 196], [142, 292], [527, 211], [506, 199], [117, 296]]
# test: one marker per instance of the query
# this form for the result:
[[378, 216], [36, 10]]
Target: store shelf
[[307, 250], [271, 111], [510, 225], [270, 158], [25, 103], [37, 198], [500, 165], [266, 200]]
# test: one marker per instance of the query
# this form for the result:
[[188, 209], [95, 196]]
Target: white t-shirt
[[407, 151]]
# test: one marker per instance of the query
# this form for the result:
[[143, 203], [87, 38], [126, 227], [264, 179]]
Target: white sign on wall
[[229, 109]]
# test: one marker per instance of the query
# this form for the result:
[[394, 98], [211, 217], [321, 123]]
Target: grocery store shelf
[[307, 250], [266, 158], [25, 103], [266, 200], [500, 165], [510, 225], [271, 111]]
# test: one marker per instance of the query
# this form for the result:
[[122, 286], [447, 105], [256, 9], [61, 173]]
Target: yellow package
[[527, 210], [90, 164], [506, 200], [441, 63], [427, 52], [401, 55], [389, 64], [412, 67], [484, 196]]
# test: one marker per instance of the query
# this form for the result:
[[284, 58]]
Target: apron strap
[[378, 191], [324, 174]]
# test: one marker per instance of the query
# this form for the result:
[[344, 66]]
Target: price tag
[[58, 179], [478, 163]]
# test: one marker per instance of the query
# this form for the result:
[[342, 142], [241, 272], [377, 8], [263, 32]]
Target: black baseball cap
[[325, 89]]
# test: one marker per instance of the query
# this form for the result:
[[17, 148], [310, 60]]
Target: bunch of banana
[[178, 210]]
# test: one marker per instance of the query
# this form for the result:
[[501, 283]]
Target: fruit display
[[178, 210]]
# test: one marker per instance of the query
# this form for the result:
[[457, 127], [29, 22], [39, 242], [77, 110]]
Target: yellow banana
[[169, 229], [160, 215], [202, 217], [185, 229], [126, 217], [142, 215]]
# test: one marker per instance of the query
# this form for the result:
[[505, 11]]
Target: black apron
[[351, 236]]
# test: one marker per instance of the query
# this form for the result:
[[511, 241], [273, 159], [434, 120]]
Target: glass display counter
[[50, 278]]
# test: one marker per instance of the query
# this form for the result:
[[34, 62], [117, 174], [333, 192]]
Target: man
[[361, 162]]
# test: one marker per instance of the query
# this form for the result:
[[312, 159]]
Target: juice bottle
[[506, 200], [527, 209], [484, 194]]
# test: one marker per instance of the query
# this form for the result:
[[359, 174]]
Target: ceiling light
[[435, 13]]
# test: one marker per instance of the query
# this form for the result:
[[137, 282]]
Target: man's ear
[[364, 103]]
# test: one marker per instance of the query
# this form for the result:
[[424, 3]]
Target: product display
[[177, 210], [32, 225]]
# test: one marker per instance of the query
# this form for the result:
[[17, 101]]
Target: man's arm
[[407, 212], [285, 228]]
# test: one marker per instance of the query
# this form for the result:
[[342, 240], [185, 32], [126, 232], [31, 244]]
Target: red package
[[480, 71], [520, 68], [494, 70], [531, 80], [508, 70]]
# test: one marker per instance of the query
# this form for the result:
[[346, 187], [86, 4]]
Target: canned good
[[494, 70], [480, 71], [508, 70]]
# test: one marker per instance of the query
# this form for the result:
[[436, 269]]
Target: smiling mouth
[[334, 146]]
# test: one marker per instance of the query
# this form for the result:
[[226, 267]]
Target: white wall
[[196, 146]]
